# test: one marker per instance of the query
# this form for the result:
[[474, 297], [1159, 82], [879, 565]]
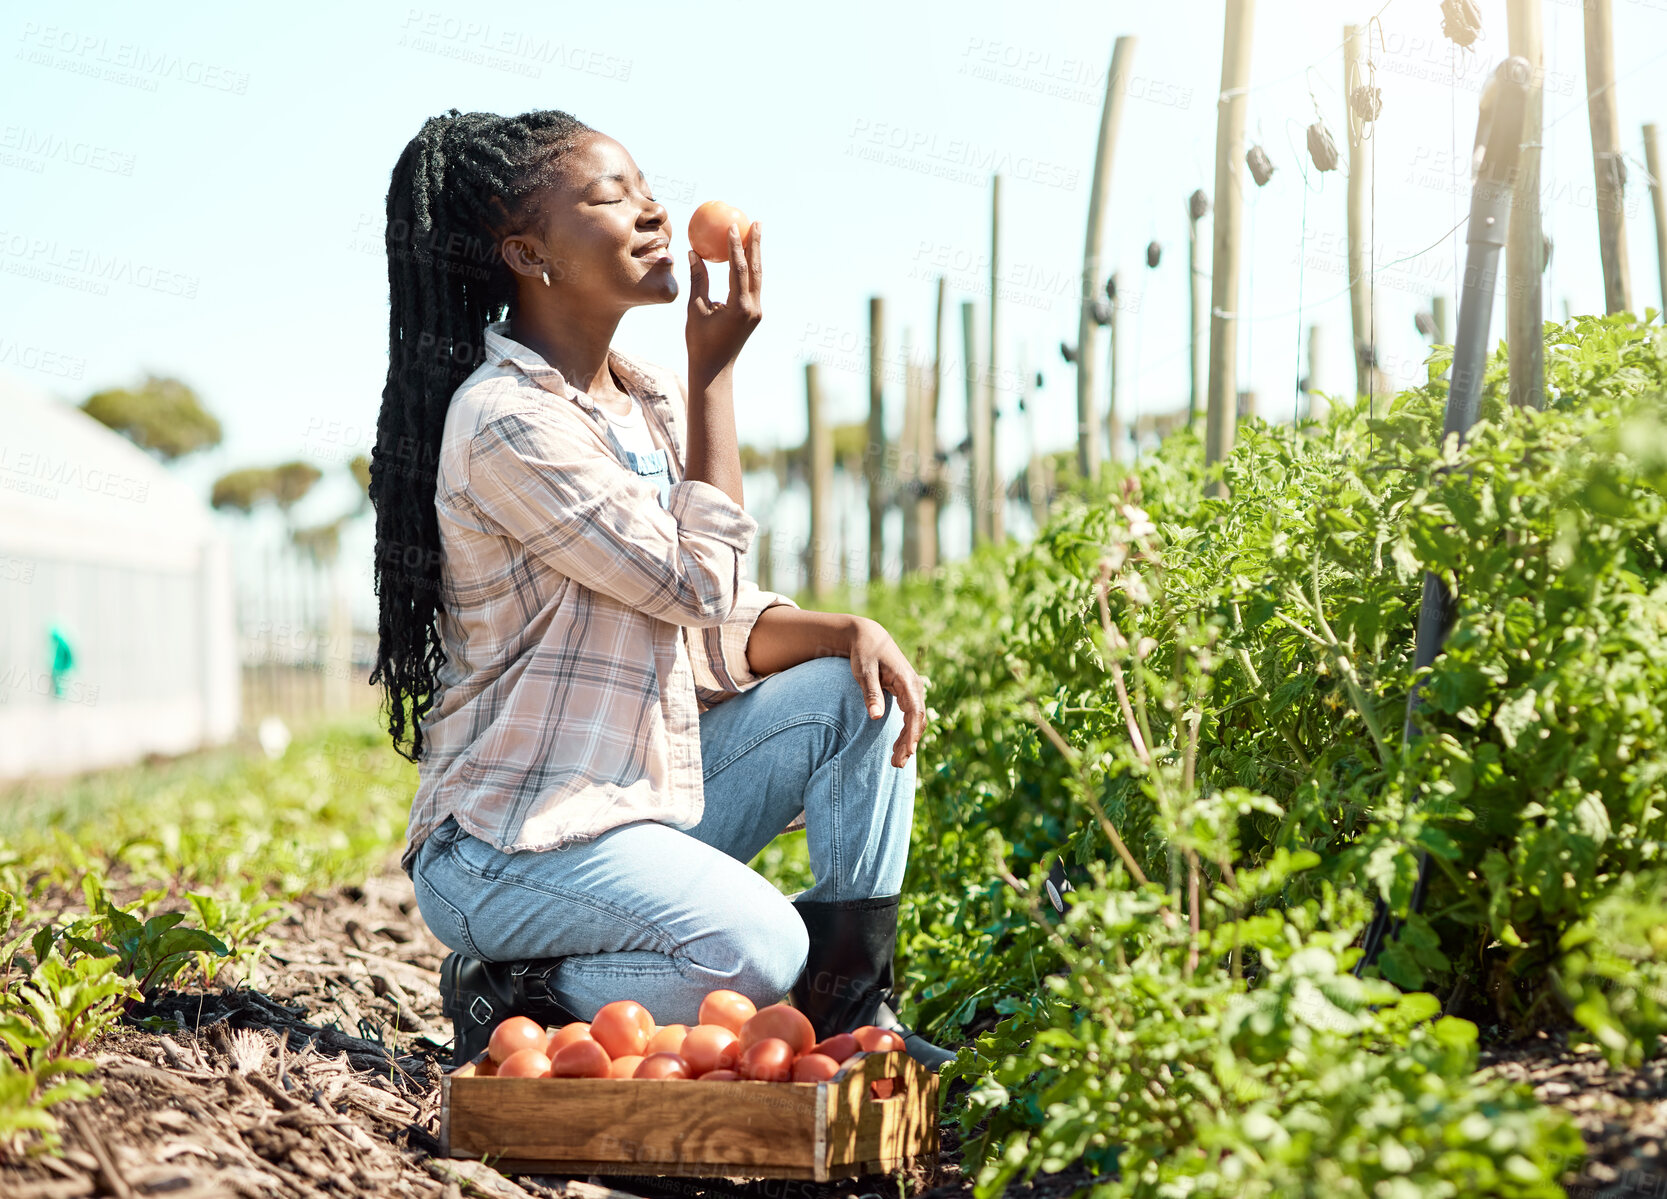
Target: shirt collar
[[504, 350]]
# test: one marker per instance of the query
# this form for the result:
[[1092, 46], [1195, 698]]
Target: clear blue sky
[[202, 186]]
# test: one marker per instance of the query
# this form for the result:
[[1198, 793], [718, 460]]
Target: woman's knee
[[767, 951]]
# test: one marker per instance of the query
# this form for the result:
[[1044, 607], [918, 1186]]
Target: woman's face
[[600, 233]]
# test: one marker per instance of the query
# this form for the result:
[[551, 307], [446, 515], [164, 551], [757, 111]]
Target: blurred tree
[[284, 485], [162, 416]]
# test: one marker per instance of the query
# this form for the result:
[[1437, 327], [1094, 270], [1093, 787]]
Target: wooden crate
[[879, 1114]]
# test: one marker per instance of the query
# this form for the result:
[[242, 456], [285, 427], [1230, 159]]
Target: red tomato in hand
[[564, 1036], [839, 1046], [582, 1059], [814, 1067], [709, 237], [525, 1063], [711, 1047], [769, 1060], [624, 1067], [781, 1021], [728, 1008], [663, 1065], [667, 1040], [512, 1036]]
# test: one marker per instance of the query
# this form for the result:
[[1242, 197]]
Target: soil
[[320, 1077]]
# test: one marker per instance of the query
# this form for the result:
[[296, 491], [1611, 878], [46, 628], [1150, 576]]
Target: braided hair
[[464, 183]]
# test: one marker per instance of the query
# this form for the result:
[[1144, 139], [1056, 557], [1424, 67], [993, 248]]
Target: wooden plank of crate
[[866, 1134], [649, 1123]]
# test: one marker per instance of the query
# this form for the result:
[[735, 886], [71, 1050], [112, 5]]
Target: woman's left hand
[[879, 666]]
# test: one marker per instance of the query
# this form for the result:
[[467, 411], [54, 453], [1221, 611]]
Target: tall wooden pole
[[1658, 198], [1525, 247], [1088, 333], [1316, 400], [1438, 309], [908, 468], [1114, 418], [1036, 474], [1360, 186], [995, 501], [1198, 204], [819, 439], [931, 505], [1604, 110], [977, 427], [875, 456], [1229, 221]]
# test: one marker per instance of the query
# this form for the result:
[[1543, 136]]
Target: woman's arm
[[784, 636]]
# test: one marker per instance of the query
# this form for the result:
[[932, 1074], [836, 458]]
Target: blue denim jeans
[[661, 915]]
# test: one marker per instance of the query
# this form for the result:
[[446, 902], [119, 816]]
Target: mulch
[[320, 1077]]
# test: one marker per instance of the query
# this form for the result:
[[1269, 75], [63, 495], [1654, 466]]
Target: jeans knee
[[773, 951]]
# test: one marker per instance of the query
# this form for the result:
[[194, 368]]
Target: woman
[[609, 721]]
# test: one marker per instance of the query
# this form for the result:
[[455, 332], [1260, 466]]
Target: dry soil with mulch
[[321, 1078]]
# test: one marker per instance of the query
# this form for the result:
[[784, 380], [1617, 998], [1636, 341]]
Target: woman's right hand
[[717, 331]]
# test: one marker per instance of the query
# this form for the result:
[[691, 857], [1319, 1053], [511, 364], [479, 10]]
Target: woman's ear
[[525, 254]]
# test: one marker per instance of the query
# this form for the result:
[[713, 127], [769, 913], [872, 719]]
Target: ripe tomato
[[878, 1040], [668, 1039], [814, 1067], [582, 1059], [769, 1060], [513, 1035], [711, 1047], [839, 1046], [625, 1067], [564, 1036], [781, 1021], [709, 237], [719, 1076], [663, 1065], [486, 1069], [728, 1008], [525, 1063], [622, 1028]]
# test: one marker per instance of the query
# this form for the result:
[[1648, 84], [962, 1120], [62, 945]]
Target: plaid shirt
[[586, 627]]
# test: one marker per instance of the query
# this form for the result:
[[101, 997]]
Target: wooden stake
[[1525, 247], [1360, 185], [977, 427], [1438, 309], [1038, 484], [1198, 318], [995, 500], [874, 456], [1658, 197], [820, 440], [1603, 109], [1229, 220], [907, 461], [1088, 333], [931, 502], [1316, 401], [1114, 419]]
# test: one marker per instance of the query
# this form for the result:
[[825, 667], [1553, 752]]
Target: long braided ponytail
[[462, 184]]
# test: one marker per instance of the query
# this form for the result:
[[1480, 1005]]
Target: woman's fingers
[[867, 673], [698, 297], [755, 260], [911, 697], [740, 277]]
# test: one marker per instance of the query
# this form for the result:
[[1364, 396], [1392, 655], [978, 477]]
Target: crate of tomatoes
[[744, 1093]]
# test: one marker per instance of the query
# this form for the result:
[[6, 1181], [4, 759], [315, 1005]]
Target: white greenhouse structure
[[117, 623]]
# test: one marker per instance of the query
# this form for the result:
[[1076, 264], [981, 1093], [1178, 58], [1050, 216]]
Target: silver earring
[[546, 278]]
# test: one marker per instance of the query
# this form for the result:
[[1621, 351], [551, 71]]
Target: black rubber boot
[[478, 995], [847, 980]]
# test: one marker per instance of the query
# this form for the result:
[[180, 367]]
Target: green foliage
[[284, 485], [1202, 691], [161, 415]]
